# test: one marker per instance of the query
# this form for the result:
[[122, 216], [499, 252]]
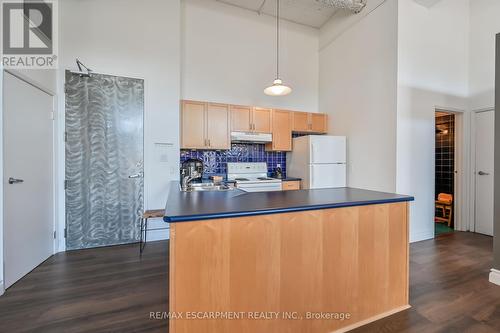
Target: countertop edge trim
[[210, 216]]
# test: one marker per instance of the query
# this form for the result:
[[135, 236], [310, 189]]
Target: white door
[[328, 176], [328, 149], [485, 132], [28, 196]]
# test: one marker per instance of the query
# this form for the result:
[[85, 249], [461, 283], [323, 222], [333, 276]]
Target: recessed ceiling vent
[[355, 6]]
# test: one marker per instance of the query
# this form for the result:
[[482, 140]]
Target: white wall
[[432, 71], [138, 39], [229, 55], [358, 84], [342, 21], [484, 25]]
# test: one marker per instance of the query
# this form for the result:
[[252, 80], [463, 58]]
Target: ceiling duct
[[355, 6]]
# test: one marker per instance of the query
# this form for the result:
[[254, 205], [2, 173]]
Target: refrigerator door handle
[[312, 153], [312, 177]]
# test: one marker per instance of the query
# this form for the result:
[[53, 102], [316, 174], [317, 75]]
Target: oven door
[[259, 187]]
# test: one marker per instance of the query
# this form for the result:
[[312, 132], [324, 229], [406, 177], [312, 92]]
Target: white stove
[[252, 177]]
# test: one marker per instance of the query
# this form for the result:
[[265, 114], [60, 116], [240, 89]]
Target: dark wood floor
[[113, 290], [98, 290], [449, 288]]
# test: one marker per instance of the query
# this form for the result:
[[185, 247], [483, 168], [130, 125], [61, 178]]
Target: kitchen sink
[[205, 187]]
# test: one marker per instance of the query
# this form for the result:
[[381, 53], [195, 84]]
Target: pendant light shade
[[277, 88]]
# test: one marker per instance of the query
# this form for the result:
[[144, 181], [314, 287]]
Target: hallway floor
[[114, 290], [442, 228]]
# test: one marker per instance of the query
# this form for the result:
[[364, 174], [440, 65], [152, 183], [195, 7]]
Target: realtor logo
[[28, 38]]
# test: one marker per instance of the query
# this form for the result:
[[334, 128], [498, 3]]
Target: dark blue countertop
[[192, 206]]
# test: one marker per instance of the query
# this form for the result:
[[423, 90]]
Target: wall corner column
[[495, 272]]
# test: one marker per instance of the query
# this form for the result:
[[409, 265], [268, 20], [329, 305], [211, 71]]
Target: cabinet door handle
[[209, 143]]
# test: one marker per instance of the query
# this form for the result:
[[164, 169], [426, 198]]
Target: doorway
[[104, 160], [483, 171], [445, 173], [28, 177]]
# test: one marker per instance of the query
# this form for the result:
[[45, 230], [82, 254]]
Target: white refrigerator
[[320, 161]]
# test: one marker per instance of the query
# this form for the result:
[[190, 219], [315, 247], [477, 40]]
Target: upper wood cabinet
[[304, 122], [218, 127], [207, 125], [281, 130], [319, 122], [250, 119], [300, 122], [204, 125], [193, 129], [241, 118], [262, 120]]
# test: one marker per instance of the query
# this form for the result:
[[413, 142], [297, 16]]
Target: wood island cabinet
[[347, 260]]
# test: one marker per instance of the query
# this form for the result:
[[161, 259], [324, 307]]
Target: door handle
[[482, 173], [15, 181], [137, 175]]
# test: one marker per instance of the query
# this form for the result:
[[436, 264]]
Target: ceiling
[[306, 12]]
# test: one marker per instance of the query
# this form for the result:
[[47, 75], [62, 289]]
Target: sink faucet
[[186, 179]]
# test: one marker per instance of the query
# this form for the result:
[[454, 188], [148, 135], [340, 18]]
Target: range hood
[[251, 137]]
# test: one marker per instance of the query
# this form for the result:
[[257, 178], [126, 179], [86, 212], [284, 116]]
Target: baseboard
[[495, 276], [2, 288], [421, 236], [371, 319], [159, 234]]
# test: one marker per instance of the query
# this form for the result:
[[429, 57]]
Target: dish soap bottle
[[279, 172]]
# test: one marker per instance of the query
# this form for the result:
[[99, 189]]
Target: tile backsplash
[[215, 162]]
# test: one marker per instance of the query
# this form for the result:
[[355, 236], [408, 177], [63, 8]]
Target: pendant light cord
[[277, 39]]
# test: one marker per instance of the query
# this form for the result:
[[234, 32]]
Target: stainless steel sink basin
[[200, 187]]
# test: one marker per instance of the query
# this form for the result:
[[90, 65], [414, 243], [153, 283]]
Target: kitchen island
[[322, 260]]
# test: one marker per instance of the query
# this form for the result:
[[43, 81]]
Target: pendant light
[[277, 88]]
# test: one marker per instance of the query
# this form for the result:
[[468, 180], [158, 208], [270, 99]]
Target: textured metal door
[[104, 160]]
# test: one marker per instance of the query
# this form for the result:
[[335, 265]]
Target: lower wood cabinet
[[281, 130], [291, 185], [205, 125]]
